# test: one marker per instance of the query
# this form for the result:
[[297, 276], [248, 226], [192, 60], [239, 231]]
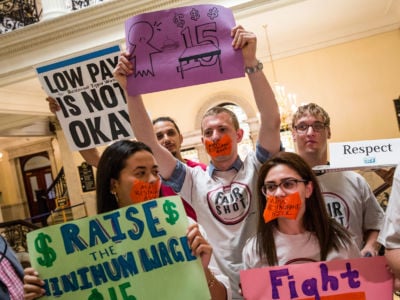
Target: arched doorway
[[37, 176]]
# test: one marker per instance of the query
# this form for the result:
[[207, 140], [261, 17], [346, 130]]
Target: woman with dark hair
[[293, 224], [127, 173], [121, 165]]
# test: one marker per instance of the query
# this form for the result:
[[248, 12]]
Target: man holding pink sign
[[222, 196]]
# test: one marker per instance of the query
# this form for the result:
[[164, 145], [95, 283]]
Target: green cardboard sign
[[133, 253]]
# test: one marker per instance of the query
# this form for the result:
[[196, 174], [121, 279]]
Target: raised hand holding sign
[[181, 47]]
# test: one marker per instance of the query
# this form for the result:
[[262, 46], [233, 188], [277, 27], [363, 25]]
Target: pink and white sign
[[181, 47], [354, 279]]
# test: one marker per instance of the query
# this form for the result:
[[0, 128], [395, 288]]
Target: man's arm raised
[[140, 121], [269, 133]]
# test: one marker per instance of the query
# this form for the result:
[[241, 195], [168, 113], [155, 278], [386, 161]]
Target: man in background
[[170, 137], [348, 197]]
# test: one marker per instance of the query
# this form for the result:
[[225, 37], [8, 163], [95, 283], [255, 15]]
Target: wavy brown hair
[[329, 233]]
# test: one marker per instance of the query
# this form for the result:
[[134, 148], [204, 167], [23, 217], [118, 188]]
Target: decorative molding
[[250, 8], [96, 17], [31, 148]]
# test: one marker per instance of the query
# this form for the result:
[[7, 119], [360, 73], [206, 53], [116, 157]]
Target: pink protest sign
[[181, 47], [353, 279]]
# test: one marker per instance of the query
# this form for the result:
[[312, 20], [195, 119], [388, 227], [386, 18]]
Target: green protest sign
[[136, 252]]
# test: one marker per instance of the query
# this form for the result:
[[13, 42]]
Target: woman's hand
[[33, 285], [123, 69], [200, 247], [53, 105]]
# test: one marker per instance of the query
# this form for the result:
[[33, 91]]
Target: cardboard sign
[[370, 153], [181, 47], [136, 252], [93, 105], [353, 279]]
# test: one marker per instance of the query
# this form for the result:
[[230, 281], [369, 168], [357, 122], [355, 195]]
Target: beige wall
[[355, 82]]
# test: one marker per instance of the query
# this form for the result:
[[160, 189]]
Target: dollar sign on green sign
[[96, 295], [49, 255], [173, 215]]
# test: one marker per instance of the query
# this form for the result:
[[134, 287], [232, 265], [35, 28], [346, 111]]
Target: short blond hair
[[311, 109], [216, 110]]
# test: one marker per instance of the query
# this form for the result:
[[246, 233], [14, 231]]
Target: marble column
[[53, 9]]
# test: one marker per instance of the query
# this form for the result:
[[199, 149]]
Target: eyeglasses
[[316, 126], [288, 185]]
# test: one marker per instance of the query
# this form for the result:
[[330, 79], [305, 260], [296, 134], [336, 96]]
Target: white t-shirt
[[295, 249], [389, 236], [350, 200]]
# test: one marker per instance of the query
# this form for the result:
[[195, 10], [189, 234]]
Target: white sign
[[361, 154], [93, 105]]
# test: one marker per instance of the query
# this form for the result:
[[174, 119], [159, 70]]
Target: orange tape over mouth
[[287, 207], [222, 147], [142, 191]]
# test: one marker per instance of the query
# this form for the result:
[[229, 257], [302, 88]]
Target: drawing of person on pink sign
[[140, 36], [180, 47]]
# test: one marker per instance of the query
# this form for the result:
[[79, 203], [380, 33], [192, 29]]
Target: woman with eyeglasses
[[293, 224]]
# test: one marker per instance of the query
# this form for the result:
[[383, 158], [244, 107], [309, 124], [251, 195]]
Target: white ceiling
[[294, 26]]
